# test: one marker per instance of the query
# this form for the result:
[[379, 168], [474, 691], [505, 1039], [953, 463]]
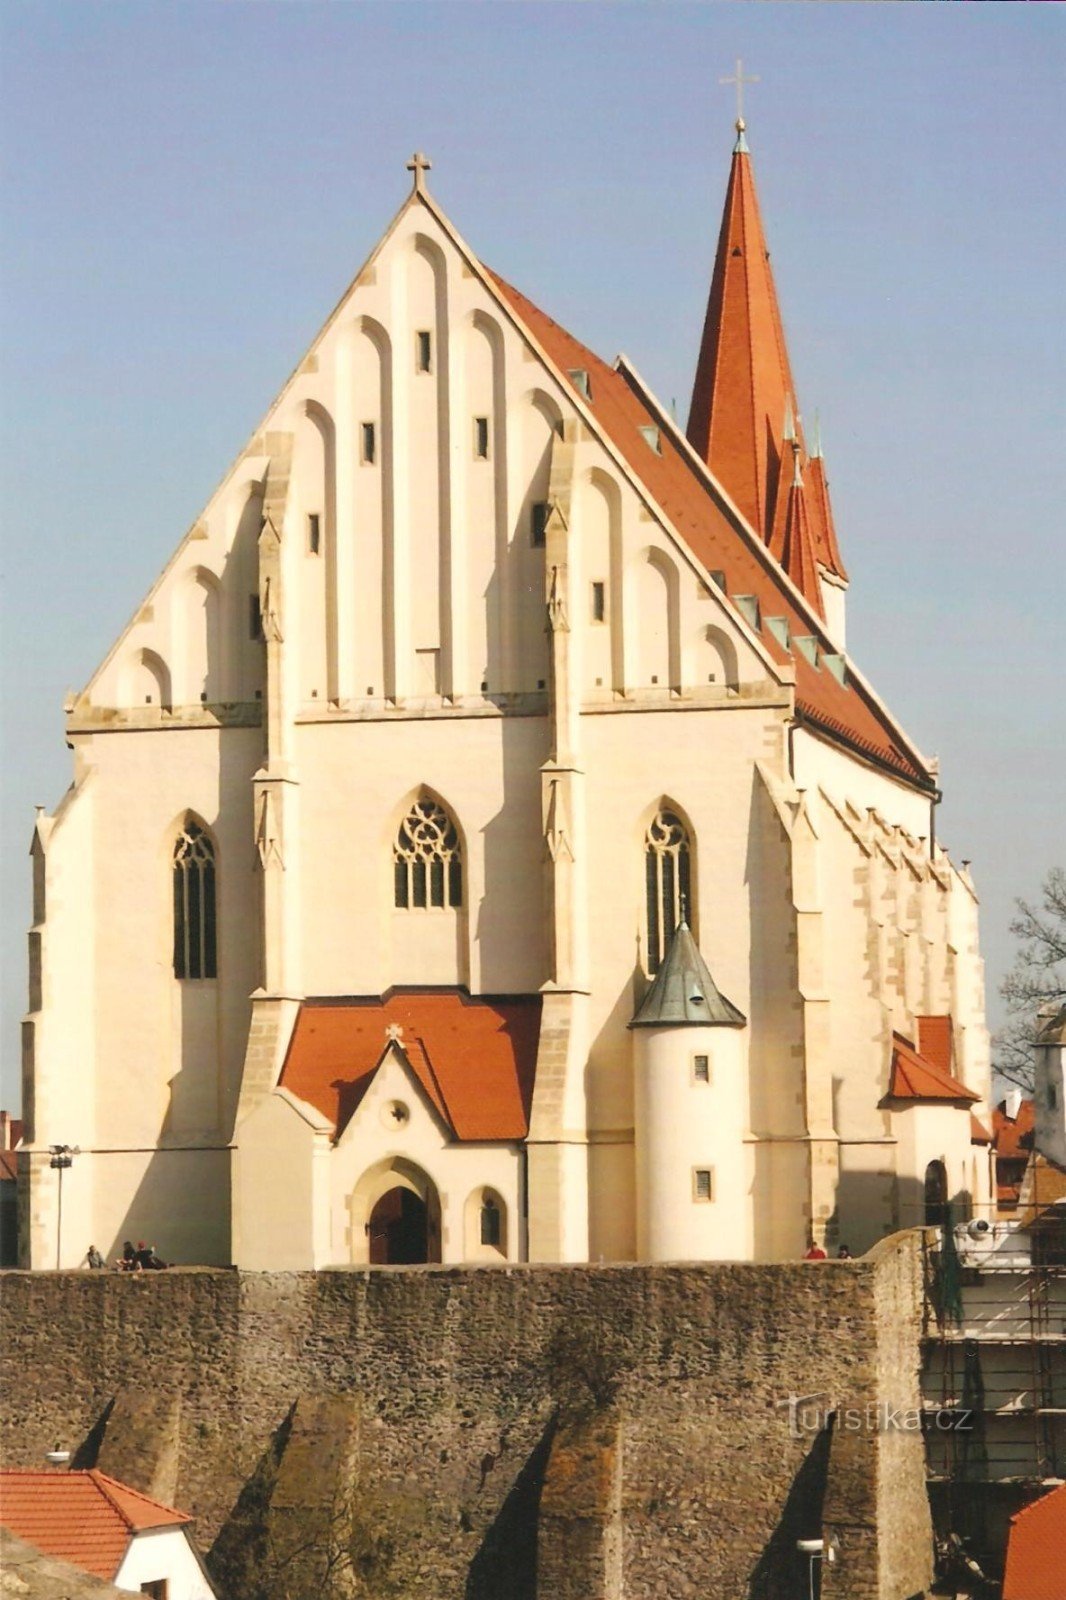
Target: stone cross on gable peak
[[419, 165], [394, 1031]]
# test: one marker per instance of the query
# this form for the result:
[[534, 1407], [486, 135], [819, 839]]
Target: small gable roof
[[1035, 1569], [84, 1518], [914, 1076], [475, 1058], [1013, 1136], [679, 484]]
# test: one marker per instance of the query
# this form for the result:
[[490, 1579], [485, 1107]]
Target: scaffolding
[[993, 1387]]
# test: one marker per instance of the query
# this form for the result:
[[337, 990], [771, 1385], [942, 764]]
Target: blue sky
[[187, 188]]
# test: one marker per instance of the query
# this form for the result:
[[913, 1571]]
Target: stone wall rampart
[[416, 1429]]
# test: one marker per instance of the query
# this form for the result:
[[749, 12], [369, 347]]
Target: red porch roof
[[475, 1058]]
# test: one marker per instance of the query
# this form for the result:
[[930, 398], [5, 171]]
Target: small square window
[[314, 533], [703, 1183], [424, 351], [538, 523], [481, 438], [255, 617], [368, 444], [599, 602], [701, 1069]]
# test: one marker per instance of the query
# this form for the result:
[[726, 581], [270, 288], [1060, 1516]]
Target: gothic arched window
[[667, 858], [427, 859], [194, 904], [491, 1231]]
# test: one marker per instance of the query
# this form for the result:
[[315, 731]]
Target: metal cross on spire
[[419, 164], [740, 80]]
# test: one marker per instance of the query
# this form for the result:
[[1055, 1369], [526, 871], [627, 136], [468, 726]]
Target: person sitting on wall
[[843, 1254], [815, 1252], [93, 1259], [128, 1262], [146, 1258]]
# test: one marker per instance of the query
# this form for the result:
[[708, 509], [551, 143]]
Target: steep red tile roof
[[797, 547], [85, 1518], [825, 533], [474, 1057], [674, 482], [936, 1041], [915, 1077], [1035, 1568], [743, 387], [1013, 1136]]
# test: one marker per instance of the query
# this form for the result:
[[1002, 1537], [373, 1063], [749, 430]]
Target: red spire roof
[[797, 554], [743, 398]]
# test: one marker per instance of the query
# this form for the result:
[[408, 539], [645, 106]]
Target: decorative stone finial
[[419, 164], [394, 1031]]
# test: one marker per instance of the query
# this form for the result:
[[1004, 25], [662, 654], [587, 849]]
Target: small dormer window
[[650, 435], [579, 377]]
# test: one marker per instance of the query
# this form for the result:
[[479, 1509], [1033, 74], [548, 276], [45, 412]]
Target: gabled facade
[[473, 680]]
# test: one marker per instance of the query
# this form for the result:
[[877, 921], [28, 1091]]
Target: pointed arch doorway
[[399, 1229], [396, 1216]]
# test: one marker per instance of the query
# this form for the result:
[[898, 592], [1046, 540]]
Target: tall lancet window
[[194, 904], [667, 858], [427, 859]]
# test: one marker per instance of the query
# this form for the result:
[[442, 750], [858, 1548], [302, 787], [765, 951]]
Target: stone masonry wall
[[522, 1433]]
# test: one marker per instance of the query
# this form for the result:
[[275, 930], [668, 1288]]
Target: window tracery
[[667, 880], [427, 859], [193, 875]]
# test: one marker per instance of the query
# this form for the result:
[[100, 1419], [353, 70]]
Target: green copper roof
[[684, 993]]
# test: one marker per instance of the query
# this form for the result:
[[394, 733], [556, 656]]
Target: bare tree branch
[[1037, 978]]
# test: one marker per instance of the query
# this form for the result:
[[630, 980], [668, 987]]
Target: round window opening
[[394, 1114]]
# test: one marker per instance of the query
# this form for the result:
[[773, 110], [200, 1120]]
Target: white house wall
[[164, 1553]]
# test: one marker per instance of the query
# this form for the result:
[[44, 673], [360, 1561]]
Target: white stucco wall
[[164, 1553]]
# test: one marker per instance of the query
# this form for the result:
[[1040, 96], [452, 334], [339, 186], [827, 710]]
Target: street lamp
[[61, 1158], [817, 1550]]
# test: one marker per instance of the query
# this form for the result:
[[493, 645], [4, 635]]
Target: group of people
[[816, 1253], [134, 1258]]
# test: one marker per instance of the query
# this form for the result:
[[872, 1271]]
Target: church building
[[482, 846]]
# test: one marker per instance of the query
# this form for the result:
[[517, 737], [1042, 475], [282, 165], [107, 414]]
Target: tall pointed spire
[[744, 417], [798, 555], [743, 380]]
